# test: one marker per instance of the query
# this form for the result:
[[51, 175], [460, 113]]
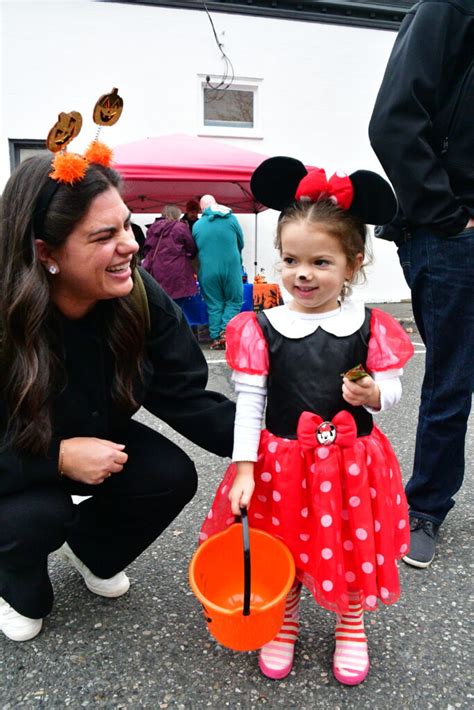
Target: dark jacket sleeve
[[20, 471], [177, 393], [413, 90]]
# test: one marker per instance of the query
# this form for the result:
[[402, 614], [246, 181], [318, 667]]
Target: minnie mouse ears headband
[[69, 168], [279, 181]]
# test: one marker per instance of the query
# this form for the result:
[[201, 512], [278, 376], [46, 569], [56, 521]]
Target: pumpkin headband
[[280, 181], [69, 168]]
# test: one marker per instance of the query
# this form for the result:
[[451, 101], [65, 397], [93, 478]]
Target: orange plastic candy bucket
[[243, 599]]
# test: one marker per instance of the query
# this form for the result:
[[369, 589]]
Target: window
[[231, 111], [21, 148]]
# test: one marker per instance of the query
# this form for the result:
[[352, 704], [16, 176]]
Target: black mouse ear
[[374, 201], [275, 181]]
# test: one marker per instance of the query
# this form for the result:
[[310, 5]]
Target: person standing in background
[[423, 134], [190, 217], [169, 249], [219, 240]]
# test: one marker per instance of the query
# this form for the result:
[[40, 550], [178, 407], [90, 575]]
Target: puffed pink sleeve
[[389, 346], [246, 347]]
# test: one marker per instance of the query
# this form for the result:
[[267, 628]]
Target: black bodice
[[305, 375]]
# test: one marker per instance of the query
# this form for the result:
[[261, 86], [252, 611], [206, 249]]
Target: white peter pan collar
[[345, 320]]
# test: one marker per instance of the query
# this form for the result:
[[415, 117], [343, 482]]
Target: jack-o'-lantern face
[[108, 109], [66, 128]]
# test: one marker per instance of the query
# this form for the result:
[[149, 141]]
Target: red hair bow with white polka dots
[[313, 432], [281, 181]]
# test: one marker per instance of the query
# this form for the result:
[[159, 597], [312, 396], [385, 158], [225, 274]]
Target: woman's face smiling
[[94, 261], [314, 267]]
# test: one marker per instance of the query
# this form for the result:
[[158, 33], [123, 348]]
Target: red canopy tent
[[176, 168]]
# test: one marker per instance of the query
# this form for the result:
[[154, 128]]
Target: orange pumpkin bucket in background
[[243, 599]]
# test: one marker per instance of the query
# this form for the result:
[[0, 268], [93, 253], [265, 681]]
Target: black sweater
[[173, 390], [422, 127]]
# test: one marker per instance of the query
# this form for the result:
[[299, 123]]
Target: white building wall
[[318, 87]]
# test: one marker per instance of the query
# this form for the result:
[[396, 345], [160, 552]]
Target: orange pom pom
[[68, 168], [99, 153]]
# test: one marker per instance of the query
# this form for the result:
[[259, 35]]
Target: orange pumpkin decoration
[[66, 128], [108, 109]]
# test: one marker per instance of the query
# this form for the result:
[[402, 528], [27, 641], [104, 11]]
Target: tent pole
[[255, 263]]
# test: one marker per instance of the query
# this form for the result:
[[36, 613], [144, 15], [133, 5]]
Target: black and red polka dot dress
[[327, 480]]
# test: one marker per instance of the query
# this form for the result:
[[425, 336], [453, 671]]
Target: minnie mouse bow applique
[[279, 181]]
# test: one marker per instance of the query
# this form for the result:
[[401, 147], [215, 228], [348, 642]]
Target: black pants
[[107, 532]]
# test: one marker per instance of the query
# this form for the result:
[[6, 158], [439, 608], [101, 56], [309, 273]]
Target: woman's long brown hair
[[31, 367]]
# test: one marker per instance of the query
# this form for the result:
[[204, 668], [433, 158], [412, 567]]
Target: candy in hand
[[355, 373]]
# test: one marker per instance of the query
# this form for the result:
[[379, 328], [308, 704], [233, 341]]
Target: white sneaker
[[113, 587], [15, 626]]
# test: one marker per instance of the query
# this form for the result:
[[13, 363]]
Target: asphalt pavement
[[151, 648]]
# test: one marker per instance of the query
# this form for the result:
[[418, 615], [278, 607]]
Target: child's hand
[[241, 492], [364, 391]]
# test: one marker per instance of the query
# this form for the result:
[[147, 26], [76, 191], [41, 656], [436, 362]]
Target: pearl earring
[[53, 269]]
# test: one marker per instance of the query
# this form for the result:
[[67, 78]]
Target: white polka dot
[[304, 558], [266, 477], [203, 536], [323, 453], [399, 500], [326, 521], [333, 199], [304, 512], [313, 468], [277, 466], [348, 545], [261, 344], [326, 553], [345, 514], [371, 600], [224, 488], [304, 536], [350, 577], [382, 329], [303, 483], [272, 447], [380, 559], [403, 549], [259, 516], [275, 521], [402, 524], [243, 362], [230, 521], [373, 492], [276, 496], [369, 460], [262, 499], [247, 331], [384, 593], [361, 534], [354, 501], [391, 473], [327, 585], [210, 514], [377, 526], [367, 567], [325, 486], [354, 469]]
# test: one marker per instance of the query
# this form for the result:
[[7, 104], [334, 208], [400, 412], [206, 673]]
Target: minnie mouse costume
[[327, 481]]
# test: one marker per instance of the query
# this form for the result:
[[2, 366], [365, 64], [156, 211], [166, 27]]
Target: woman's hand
[[90, 460], [363, 391], [241, 492]]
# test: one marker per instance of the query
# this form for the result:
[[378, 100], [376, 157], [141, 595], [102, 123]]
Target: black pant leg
[[131, 508], [32, 524]]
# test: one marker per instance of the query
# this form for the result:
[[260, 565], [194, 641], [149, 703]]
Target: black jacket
[[422, 127], [174, 385]]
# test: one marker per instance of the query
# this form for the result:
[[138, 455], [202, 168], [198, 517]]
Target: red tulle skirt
[[340, 509]]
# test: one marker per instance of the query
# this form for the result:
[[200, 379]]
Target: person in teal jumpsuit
[[220, 240]]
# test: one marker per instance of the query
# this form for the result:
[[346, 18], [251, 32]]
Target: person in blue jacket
[[219, 240]]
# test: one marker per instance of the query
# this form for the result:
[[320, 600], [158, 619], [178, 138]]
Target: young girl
[[321, 475]]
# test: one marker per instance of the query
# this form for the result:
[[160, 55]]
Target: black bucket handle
[[247, 566]]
